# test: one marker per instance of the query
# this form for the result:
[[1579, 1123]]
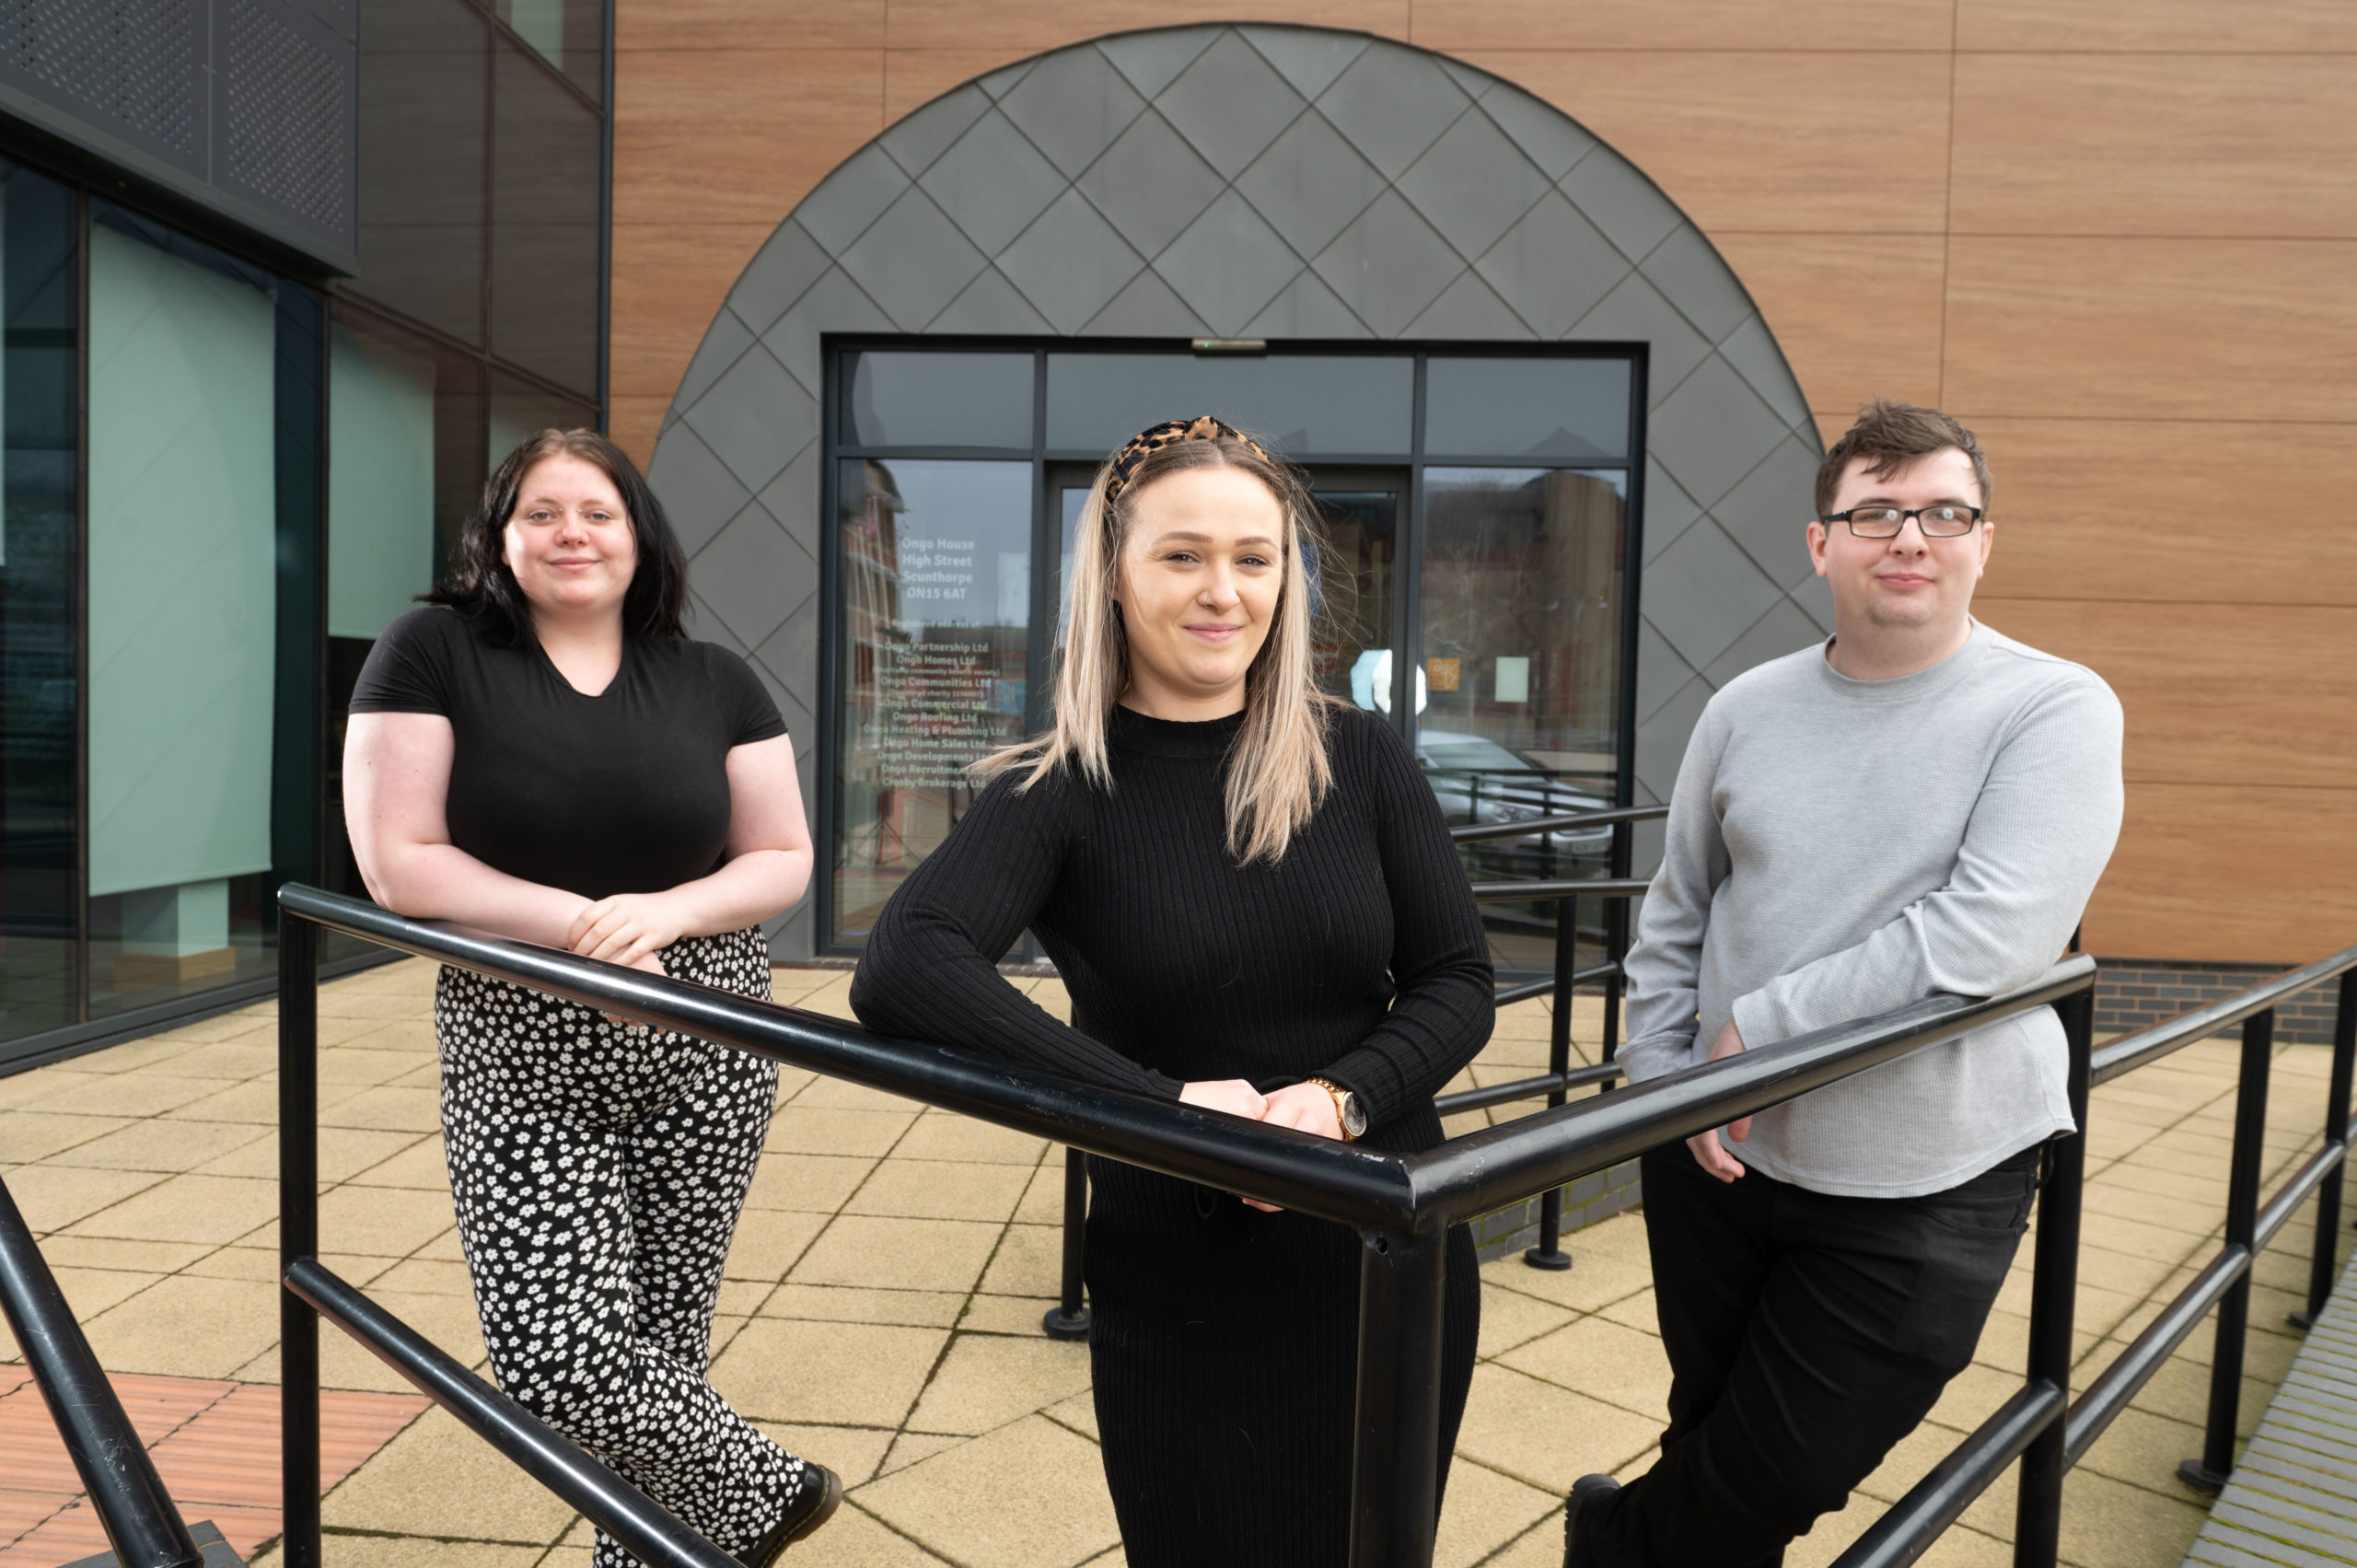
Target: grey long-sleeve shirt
[[1838, 848]]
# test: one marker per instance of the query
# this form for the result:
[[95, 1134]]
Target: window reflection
[[1342, 404], [935, 563], [1521, 609], [38, 376], [1574, 410], [543, 225], [425, 108]]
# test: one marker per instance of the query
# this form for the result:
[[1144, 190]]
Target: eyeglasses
[[1945, 521]]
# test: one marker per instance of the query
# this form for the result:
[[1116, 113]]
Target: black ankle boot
[[815, 1502]]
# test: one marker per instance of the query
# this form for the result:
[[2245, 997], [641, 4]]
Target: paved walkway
[[2292, 1498], [881, 1307]]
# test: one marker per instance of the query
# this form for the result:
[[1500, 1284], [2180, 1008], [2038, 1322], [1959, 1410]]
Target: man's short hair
[[1890, 435]]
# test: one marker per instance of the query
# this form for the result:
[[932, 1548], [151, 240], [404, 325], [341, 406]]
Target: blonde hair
[[1278, 774]]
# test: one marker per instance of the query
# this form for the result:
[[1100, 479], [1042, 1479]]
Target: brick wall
[[2135, 993]]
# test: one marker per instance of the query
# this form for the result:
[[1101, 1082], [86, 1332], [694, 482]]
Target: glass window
[[1352, 577], [543, 224], [568, 34], [938, 400], [1521, 610], [1575, 410], [1335, 404], [520, 410], [39, 373], [424, 113], [936, 587], [381, 476], [182, 611]]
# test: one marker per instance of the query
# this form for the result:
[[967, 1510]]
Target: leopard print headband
[[1203, 427]]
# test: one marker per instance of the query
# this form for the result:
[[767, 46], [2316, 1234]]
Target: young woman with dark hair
[[542, 753], [1251, 893]]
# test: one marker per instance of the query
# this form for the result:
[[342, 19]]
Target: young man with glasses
[[1919, 804]]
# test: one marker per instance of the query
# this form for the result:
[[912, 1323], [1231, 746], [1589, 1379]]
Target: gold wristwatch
[[1347, 1108]]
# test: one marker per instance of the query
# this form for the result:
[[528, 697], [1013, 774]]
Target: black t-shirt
[[626, 792]]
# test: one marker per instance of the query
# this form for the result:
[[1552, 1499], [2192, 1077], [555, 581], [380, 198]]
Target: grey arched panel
[[1255, 181]]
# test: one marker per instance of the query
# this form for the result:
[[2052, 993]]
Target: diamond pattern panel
[[1151, 60], [850, 198], [924, 135], [1230, 103], [1546, 137], [1752, 350], [752, 575], [1469, 311], [1072, 105], [1150, 183], [1393, 103], [1661, 741], [1768, 509], [1071, 182], [992, 182], [1690, 276], [1310, 58], [777, 276], [1702, 592], [1306, 308], [990, 303], [1783, 630], [1228, 264], [695, 487], [1069, 264], [755, 418], [1713, 430], [1473, 184], [724, 341], [1627, 206], [1552, 266], [1310, 184], [1147, 309], [914, 260], [1389, 265]]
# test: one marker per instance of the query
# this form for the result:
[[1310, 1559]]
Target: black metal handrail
[[133, 1508], [1401, 1204], [2042, 1425]]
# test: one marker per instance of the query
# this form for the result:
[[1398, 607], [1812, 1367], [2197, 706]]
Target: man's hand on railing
[[1709, 1153]]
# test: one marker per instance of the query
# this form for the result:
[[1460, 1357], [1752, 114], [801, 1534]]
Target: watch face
[[1353, 1116]]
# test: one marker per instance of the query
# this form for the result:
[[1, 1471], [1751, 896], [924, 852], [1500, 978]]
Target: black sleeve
[[409, 670], [1446, 1003], [930, 969], [745, 703]]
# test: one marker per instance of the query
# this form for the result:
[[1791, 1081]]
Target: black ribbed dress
[[1224, 1342]]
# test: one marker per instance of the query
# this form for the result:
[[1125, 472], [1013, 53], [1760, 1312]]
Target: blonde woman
[[1251, 895]]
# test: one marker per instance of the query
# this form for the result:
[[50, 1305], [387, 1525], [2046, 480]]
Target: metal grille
[[131, 60], [286, 107]]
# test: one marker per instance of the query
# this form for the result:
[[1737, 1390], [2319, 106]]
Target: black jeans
[[1807, 1335]]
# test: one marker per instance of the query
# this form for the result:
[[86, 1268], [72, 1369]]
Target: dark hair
[[1890, 435], [480, 583]]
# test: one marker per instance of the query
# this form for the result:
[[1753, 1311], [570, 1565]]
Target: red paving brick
[[214, 1444]]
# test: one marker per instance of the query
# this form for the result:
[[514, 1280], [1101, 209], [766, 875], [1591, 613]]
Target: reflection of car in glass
[[1478, 780]]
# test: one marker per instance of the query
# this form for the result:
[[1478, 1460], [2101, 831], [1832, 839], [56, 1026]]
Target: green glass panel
[[183, 600], [381, 480]]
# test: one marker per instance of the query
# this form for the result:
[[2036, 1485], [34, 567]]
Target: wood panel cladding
[[2162, 512], [2114, 235]]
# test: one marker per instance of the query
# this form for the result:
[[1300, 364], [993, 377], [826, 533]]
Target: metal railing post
[[1396, 1453], [2326, 1263], [298, 1236], [1068, 1319], [1550, 1254], [2053, 1302], [130, 1499], [2209, 1472]]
